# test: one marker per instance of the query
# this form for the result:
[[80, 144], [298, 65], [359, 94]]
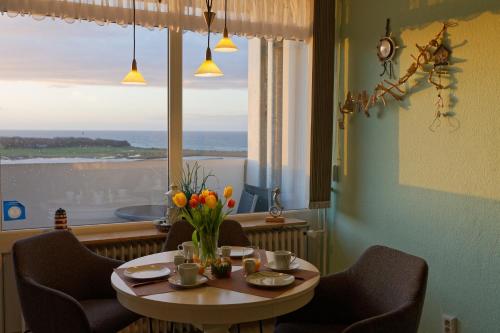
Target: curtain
[[322, 103], [287, 19]]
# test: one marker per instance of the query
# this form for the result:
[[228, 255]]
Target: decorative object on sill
[[172, 212], [386, 50], [276, 209], [162, 225], [208, 68], [225, 44], [61, 220], [204, 210], [134, 77], [430, 60]]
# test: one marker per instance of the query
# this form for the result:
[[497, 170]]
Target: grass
[[105, 152]]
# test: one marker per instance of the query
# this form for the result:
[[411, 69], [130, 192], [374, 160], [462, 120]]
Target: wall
[[433, 194]]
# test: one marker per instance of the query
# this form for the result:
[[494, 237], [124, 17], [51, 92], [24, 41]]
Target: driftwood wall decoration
[[432, 59]]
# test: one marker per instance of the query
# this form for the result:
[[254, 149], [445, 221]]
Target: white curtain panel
[[287, 19]]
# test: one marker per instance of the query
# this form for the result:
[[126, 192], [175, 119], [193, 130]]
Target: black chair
[[230, 233], [383, 292], [64, 287]]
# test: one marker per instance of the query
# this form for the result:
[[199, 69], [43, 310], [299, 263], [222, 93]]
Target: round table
[[211, 309]]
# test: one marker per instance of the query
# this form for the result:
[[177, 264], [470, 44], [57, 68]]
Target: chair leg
[[260, 326], [238, 327]]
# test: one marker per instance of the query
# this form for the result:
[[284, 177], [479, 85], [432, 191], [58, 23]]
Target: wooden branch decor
[[431, 59]]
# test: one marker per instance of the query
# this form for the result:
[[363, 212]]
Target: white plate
[[272, 265], [146, 272], [238, 251], [270, 279], [176, 281]]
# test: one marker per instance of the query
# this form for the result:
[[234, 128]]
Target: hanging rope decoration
[[434, 53]]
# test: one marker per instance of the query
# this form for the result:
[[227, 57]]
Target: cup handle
[[294, 257]]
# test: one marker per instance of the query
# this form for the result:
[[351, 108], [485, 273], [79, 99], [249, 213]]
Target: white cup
[[283, 259], [225, 251], [188, 273], [187, 248], [179, 259]]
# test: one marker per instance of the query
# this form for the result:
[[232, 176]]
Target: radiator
[[290, 238]]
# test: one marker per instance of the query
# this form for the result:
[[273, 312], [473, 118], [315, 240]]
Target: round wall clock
[[386, 50]]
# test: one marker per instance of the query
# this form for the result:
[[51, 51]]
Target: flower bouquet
[[204, 210]]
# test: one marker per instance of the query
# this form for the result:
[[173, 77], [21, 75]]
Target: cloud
[[86, 53]]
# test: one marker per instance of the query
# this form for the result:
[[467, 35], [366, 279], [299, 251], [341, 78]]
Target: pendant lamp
[[225, 44], [134, 77], [208, 68]]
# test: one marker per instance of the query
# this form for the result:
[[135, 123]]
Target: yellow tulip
[[180, 199], [205, 193], [228, 192], [211, 201]]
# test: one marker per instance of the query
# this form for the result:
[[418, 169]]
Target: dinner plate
[[146, 272], [270, 279], [293, 266], [176, 281], [238, 251]]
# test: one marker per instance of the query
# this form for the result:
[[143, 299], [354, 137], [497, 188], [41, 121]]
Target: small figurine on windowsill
[[277, 209], [61, 220]]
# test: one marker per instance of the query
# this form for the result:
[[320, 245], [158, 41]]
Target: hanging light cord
[[209, 20], [133, 6]]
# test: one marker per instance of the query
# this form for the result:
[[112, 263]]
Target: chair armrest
[[329, 304], [49, 310], [401, 320], [100, 275]]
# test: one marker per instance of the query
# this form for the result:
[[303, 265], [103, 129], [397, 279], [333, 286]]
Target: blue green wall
[[442, 215]]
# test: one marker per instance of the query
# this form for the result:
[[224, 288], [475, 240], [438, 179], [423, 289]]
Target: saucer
[[293, 266], [238, 251], [146, 272], [176, 281]]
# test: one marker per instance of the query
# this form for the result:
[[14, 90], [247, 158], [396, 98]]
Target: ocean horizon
[[192, 140]]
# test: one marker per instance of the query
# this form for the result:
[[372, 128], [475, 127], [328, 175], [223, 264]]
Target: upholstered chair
[[383, 292], [64, 287], [230, 233]]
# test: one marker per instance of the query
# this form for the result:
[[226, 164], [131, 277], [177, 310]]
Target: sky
[[60, 76]]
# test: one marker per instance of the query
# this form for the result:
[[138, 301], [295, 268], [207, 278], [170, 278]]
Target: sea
[[193, 140]]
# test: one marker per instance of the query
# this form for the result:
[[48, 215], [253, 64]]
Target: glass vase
[[208, 247]]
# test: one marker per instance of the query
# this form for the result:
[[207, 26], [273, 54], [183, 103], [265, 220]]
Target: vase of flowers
[[205, 210]]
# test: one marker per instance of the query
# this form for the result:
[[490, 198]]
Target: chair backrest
[[247, 202], [56, 260], [180, 231], [231, 233], [385, 279], [264, 200]]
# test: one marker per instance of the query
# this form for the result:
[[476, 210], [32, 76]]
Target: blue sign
[[13, 211]]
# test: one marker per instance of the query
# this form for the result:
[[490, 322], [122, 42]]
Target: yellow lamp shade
[[134, 77], [208, 69], [226, 45]]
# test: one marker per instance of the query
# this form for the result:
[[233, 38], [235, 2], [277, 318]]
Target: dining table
[[210, 308]]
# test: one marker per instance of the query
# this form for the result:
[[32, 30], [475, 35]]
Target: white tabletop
[[210, 308]]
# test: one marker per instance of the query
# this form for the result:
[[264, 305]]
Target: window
[[71, 135], [250, 127]]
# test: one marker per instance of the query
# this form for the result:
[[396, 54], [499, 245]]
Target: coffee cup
[[187, 248], [179, 259], [188, 273], [283, 259], [225, 251]]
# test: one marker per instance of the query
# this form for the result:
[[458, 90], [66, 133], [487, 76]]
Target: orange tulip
[[228, 192], [193, 203], [211, 201], [180, 199]]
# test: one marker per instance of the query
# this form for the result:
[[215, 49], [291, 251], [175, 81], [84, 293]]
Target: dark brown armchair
[[383, 292], [230, 233], [65, 287]]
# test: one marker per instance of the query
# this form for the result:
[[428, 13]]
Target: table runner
[[237, 283]]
